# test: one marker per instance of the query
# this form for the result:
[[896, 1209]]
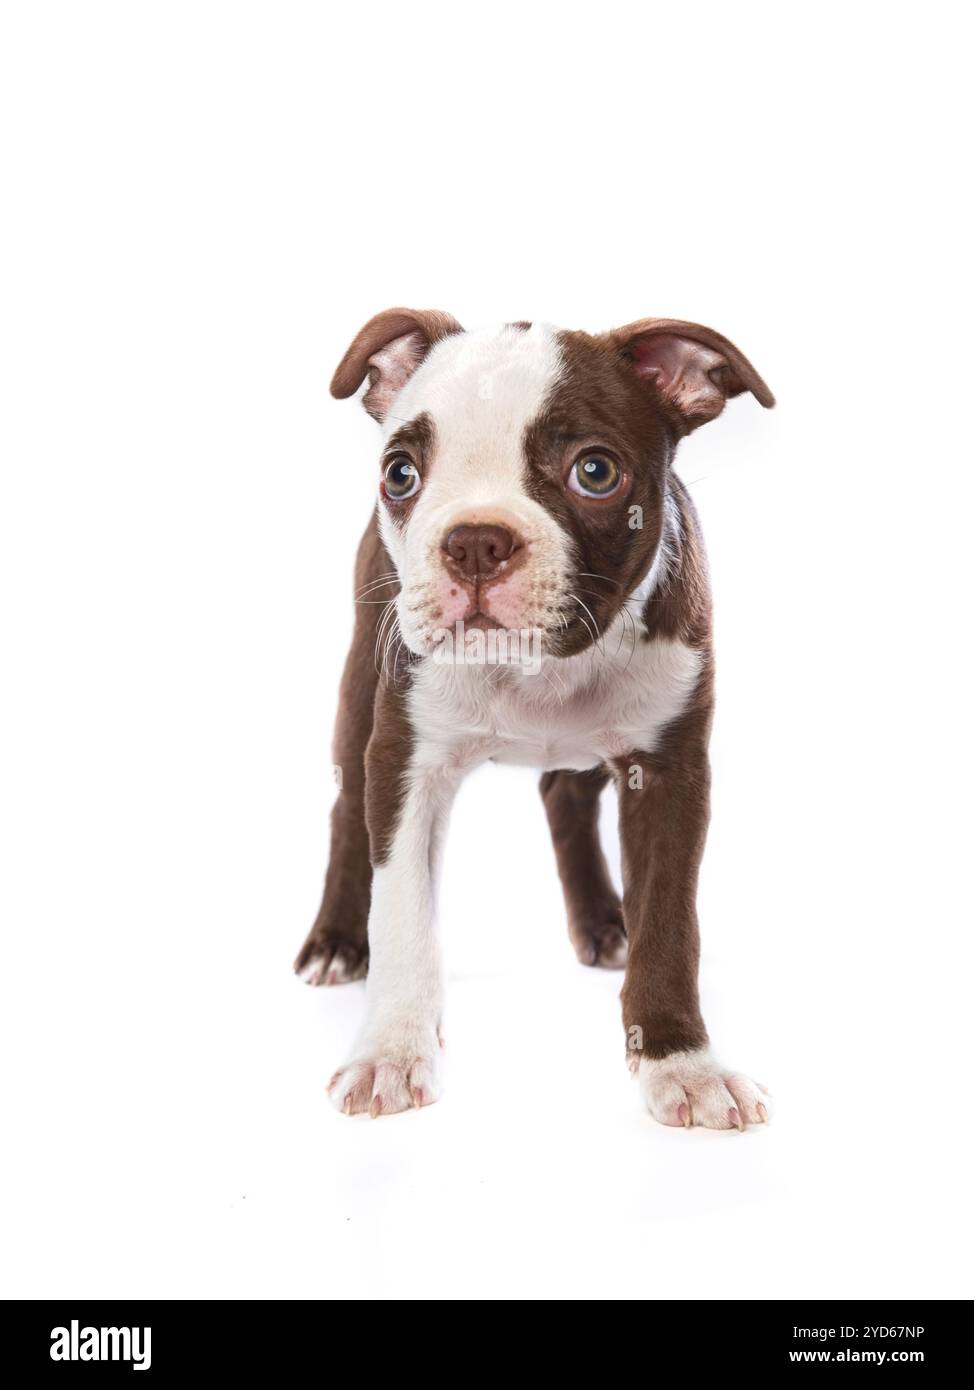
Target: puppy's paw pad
[[384, 1086], [692, 1088], [332, 962], [604, 945]]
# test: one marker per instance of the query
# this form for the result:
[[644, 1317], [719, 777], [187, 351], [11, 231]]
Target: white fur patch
[[481, 390], [692, 1088], [574, 713], [395, 1061]]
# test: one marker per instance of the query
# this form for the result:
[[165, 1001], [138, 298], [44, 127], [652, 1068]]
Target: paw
[[331, 960], [385, 1085], [603, 945], [691, 1088]]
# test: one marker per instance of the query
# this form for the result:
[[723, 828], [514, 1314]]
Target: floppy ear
[[692, 367], [389, 348]]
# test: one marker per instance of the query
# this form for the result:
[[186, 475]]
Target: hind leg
[[571, 800]]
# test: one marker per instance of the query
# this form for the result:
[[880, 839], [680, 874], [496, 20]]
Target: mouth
[[481, 620], [511, 598], [478, 613]]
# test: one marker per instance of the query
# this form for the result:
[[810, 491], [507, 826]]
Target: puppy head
[[523, 471]]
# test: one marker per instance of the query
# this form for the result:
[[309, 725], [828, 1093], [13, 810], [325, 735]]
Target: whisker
[[592, 616], [386, 574], [380, 631], [632, 652], [390, 604], [548, 674], [378, 584], [390, 609], [588, 629], [624, 613], [585, 574], [372, 588], [393, 634], [395, 661]]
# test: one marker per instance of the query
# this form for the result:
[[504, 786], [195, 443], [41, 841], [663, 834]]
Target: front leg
[[664, 807], [395, 1061]]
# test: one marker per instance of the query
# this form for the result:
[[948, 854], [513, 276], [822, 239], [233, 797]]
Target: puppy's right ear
[[389, 348]]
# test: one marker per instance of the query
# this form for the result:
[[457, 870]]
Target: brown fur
[[339, 938], [387, 762], [662, 827], [598, 401], [595, 926], [664, 811]]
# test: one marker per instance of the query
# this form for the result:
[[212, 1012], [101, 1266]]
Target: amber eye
[[595, 475], [401, 478]]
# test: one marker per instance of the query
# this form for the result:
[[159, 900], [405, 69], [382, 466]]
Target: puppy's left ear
[[693, 368]]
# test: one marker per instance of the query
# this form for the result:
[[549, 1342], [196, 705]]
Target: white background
[[202, 203]]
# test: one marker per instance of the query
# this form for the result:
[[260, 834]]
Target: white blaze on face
[[481, 391]]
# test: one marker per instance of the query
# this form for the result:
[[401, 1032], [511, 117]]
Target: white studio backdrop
[[202, 203]]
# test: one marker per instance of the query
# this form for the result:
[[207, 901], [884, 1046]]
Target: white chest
[[569, 714]]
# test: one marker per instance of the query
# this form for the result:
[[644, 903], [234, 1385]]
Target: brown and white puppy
[[527, 505]]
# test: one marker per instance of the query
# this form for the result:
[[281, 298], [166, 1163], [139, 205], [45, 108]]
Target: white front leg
[[395, 1062]]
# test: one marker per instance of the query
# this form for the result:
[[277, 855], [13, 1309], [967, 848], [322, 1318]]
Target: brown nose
[[477, 551]]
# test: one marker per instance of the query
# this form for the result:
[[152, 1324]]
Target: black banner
[[164, 1340]]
